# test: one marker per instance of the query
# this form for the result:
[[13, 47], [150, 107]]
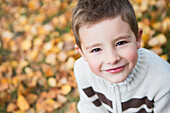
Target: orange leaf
[[165, 57], [31, 98], [11, 107], [157, 50]]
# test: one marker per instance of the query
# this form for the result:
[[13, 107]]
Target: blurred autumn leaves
[[37, 56], [37, 51], [154, 17]]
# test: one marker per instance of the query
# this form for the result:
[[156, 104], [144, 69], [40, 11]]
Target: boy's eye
[[96, 50], [121, 43]]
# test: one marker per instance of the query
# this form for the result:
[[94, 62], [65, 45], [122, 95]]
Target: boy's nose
[[112, 57]]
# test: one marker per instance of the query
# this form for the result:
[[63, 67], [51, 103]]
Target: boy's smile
[[115, 70], [110, 48]]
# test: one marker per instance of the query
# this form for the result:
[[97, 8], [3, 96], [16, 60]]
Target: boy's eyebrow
[[93, 45], [122, 37]]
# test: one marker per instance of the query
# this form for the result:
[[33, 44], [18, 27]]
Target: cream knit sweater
[[146, 89]]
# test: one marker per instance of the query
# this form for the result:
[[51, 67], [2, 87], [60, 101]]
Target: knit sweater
[[145, 90]]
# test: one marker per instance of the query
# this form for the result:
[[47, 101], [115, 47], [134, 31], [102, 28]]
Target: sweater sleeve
[[162, 105], [82, 74]]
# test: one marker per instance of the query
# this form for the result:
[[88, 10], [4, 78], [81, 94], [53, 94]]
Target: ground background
[[37, 51]]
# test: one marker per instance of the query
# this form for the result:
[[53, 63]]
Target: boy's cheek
[[93, 66], [132, 57]]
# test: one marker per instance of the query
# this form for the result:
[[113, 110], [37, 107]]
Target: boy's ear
[[80, 51], [139, 36]]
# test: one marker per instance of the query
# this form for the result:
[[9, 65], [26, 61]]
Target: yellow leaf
[[60, 45], [138, 1], [13, 46], [166, 24], [40, 18], [51, 59], [52, 82], [34, 54], [38, 41], [145, 38], [60, 21], [156, 25], [70, 63], [47, 28], [19, 111], [144, 5], [153, 42], [14, 63], [22, 103], [48, 46], [65, 89], [29, 71], [26, 45], [23, 20], [23, 63], [27, 27], [161, 39]]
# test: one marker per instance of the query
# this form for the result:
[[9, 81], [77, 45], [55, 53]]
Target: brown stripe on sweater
[[97, 103], [104, 99], [89, 91], [137, 102]]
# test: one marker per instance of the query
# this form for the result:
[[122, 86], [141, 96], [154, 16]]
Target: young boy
[[114, 74]]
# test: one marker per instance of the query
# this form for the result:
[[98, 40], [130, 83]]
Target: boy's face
[[110, 48]]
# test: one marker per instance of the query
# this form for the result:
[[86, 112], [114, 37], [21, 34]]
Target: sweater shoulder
[[158, 68], [158, 63]]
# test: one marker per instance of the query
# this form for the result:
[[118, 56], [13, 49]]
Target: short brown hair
[[88, 12]]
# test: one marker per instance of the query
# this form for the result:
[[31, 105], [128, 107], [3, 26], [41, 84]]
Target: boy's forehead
[[90, 24], [113, 26]]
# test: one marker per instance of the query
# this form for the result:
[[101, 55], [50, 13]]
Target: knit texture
[[145, 90]]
